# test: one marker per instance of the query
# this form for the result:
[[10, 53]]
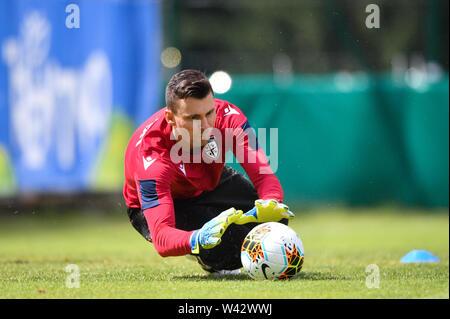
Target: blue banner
[[66, 67]]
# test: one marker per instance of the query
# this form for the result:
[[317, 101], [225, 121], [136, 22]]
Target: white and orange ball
[[272, 251]]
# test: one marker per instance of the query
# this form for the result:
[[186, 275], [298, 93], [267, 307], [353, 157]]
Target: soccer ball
[[272, 251]]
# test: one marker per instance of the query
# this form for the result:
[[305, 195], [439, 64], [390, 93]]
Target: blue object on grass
[[419, 256]]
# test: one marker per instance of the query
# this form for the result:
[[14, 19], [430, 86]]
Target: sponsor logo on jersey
[[145, 131], [229, 110], [148, 161], [181, 167]]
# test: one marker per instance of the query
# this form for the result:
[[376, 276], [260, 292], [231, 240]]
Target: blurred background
[[360, 96]]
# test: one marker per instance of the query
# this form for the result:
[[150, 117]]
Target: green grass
[[115, 262]]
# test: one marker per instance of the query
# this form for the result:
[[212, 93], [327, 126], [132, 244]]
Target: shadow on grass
[[316, 276], [312, 276], [207, 277]]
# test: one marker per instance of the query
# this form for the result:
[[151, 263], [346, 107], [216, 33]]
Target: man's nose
[[204, 123]]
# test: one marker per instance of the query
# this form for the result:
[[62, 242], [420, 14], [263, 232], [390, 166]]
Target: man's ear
[[169, 116]]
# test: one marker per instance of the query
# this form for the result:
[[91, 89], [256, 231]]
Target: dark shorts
[[233, 190]]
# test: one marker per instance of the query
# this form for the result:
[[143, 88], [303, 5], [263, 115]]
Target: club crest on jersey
[[211, 149]]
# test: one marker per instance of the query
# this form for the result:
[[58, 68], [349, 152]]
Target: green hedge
[[354, 139]]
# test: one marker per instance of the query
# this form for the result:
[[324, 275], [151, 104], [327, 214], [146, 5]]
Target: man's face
[[192, 113]]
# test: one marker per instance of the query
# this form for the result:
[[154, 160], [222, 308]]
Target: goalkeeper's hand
[[210, 234], [266, 211]]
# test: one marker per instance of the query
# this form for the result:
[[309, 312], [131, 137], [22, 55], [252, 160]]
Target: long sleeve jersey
[[155, 175]]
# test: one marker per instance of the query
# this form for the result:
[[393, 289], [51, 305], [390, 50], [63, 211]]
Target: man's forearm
[[167, 240], [266, 183]]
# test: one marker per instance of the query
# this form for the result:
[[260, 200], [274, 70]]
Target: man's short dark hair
[[184, 84]]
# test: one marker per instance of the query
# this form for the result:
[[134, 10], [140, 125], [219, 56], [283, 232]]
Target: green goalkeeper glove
[[266, 211], [210, 234]]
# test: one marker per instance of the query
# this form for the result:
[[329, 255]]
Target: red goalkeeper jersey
[[153, 178]]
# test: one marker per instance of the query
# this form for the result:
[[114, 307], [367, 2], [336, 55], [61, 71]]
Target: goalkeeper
[[195, 204]]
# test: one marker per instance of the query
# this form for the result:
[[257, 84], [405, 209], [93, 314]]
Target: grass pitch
[[115, 262]]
